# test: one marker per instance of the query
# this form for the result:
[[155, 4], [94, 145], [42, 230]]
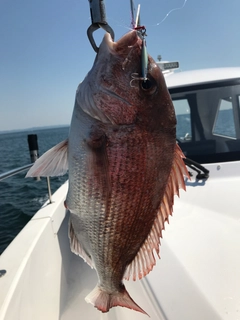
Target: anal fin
[[77, 248]]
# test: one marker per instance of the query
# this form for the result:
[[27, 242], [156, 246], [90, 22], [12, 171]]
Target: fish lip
[[128, 40]]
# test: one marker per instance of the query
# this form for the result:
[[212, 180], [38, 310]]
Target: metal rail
[[33, 149], [13, 172]]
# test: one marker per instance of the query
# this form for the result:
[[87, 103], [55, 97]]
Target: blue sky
[[45, 52]]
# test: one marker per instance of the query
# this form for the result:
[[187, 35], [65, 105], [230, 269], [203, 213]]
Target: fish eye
[[148, 86]]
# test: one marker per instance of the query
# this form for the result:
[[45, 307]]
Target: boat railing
[[15, 171], [33, 149]]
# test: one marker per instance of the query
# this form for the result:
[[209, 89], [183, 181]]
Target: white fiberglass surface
[[82, 279], [200, 264], [201, 76]]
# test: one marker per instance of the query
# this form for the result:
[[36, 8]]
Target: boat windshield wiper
[[202, 172]]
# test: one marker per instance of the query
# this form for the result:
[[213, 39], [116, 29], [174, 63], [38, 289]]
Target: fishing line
[[120, 23], [175, 9]]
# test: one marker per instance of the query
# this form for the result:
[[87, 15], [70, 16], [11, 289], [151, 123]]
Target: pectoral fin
[[54, 162]]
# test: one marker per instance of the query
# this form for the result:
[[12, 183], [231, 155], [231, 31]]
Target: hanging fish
[[124, 168]]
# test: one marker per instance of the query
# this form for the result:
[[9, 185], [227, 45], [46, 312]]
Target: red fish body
[[124, 168]]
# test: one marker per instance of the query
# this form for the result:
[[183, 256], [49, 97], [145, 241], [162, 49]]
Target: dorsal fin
[[145, 260]]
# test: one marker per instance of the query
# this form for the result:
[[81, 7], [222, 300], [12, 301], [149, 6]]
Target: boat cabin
[[207, 105]]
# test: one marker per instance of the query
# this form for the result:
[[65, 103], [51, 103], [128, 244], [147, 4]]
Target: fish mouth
[[129, 40]]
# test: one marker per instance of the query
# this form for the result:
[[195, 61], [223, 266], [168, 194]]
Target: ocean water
[[21, 197]]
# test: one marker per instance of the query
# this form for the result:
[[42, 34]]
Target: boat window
[[182, 109], [224, 122], [208, 121]]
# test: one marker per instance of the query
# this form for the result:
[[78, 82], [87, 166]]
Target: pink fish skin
[[124, 168]]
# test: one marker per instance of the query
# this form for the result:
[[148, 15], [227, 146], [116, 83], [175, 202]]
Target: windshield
[[208, 121]]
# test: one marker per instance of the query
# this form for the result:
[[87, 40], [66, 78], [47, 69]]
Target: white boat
[[198, 275]]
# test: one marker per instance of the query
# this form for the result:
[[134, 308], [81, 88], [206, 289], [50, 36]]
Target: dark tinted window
[[208, 121]]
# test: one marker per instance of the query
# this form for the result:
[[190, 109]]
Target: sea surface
[[21, 197]]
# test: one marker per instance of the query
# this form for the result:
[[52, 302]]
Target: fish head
[[116, 91]]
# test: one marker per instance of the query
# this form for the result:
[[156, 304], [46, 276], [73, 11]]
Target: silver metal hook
[[135, 77]]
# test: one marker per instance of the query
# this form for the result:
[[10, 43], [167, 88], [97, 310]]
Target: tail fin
[[104, 301]]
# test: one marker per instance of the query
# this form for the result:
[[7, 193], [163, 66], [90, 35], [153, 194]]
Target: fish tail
[[104, 301]]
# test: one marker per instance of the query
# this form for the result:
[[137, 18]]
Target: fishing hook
[[135, 77]]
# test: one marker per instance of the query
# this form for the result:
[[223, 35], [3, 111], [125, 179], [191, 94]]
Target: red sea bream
[[124, 168]]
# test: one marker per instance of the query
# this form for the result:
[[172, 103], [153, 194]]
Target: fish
[[124, 168]]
